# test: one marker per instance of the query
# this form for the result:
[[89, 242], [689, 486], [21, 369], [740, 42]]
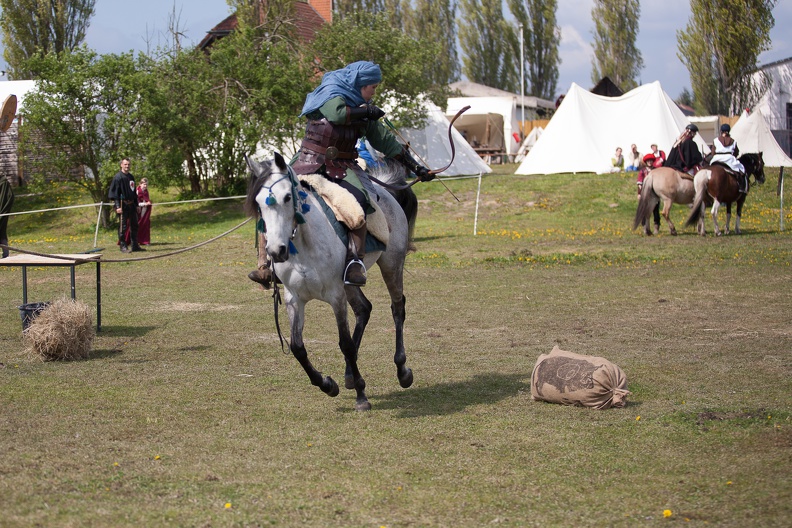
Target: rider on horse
[[339, 112], [725, 152], [685, 155]]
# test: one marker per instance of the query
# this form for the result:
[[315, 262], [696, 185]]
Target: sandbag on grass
[[575, 379]]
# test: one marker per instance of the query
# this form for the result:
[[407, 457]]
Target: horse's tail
[[642, 213], [394, 175], [700, 183]]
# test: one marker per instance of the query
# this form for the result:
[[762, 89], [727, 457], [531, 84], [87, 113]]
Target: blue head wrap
[[346, 83]]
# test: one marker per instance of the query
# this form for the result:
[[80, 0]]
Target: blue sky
[[119, 26]]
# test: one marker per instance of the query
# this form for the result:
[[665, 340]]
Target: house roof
[[471, 89], [307, 22]]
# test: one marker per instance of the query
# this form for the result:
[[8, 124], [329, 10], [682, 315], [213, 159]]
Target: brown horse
[[716, 185], [669, 185]]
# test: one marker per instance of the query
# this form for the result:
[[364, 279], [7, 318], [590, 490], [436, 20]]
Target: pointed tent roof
[[753, 135], [587, 128]]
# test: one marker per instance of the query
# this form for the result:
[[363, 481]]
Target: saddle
[[346, 208], [729, 170]]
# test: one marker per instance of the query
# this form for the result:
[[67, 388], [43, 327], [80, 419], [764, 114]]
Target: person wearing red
[[144, 213]]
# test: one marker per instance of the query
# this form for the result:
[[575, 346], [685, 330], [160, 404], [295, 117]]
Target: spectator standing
[[144, 213], [6, 203], [124, 196]]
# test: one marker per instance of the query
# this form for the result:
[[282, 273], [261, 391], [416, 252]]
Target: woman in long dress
[[144, 213]]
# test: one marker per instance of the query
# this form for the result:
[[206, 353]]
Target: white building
[[776, 105]]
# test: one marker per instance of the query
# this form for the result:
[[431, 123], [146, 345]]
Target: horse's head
[[754, 164], [272, 194]]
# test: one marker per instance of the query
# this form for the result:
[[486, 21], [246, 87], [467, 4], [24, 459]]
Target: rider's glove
[[368, 111], [419, 170]]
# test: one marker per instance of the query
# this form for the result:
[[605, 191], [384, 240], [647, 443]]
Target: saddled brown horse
[[668, 185], [718, 186]]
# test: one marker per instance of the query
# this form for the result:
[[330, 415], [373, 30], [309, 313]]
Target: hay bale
[[63, 330]]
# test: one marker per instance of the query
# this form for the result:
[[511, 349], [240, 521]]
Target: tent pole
[[475, 217], [781, 197]]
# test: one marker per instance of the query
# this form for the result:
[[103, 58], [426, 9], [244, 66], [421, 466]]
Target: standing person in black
[[6, 203], [124, 195]]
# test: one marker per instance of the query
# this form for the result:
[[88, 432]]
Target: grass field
[[188, 413]]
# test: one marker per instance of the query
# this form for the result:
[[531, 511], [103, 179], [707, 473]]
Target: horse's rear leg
[[715, 207], [297, 347], [667, 216], [404, 374]]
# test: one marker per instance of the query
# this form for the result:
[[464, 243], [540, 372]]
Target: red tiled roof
[[307, 22]]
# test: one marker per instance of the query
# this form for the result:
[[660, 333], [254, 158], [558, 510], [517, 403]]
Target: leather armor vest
[[330, 145]]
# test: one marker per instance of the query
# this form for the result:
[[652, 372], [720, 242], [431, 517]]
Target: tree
[[685, 98], [488, 41], [83, 113], [615, 31], [434, 21], [720, 48], [405, 62], [32, 26], [541, 37]]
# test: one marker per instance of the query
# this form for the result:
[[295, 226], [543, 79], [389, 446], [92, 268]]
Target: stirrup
[[352, 262]]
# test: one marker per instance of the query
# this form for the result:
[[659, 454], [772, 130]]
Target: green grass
[[187, 403]]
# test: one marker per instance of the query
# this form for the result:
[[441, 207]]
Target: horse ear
[[253, 165], [280, 162]]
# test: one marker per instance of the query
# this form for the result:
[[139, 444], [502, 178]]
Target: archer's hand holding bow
[[419, 170]]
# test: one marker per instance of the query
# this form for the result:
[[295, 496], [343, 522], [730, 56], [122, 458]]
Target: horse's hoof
[[363, 406], [673, 232], [330, 387], [406, 380], [349, 382]]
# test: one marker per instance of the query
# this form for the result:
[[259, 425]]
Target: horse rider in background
[[339, 113], [725, 152], [685, 155]]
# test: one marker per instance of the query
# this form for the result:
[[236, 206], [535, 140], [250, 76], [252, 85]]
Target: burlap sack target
[[574, 379]]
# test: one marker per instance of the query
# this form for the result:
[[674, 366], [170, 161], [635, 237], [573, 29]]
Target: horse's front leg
[[296, 311], [361, 306], [740, 203], [348, 347]]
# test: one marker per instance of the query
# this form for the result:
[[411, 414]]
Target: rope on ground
[[151, 257]]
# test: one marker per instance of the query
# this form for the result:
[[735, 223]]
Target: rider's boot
[[263, 274], [355, 270], [742, 183]]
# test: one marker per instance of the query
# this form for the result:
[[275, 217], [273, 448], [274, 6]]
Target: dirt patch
[[193, 307], [710, 416]]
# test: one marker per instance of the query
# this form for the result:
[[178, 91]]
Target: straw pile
[[63, 330]]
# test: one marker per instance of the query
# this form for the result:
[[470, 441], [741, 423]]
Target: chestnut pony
[[714, 184]]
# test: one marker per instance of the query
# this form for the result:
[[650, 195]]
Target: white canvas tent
[[753, 135], [490, 122], [431, 144], [586, 129]]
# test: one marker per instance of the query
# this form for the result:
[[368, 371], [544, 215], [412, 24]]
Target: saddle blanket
[[346, 210]]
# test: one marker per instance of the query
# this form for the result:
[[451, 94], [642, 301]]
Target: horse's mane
[[255, 183], [394, 173]]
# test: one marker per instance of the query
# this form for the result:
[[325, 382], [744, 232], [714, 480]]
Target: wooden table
[[71, 260]]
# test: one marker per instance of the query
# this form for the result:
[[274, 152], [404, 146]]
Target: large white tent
[[586, 129], [753, 135], [431, 144], [491, 122]]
